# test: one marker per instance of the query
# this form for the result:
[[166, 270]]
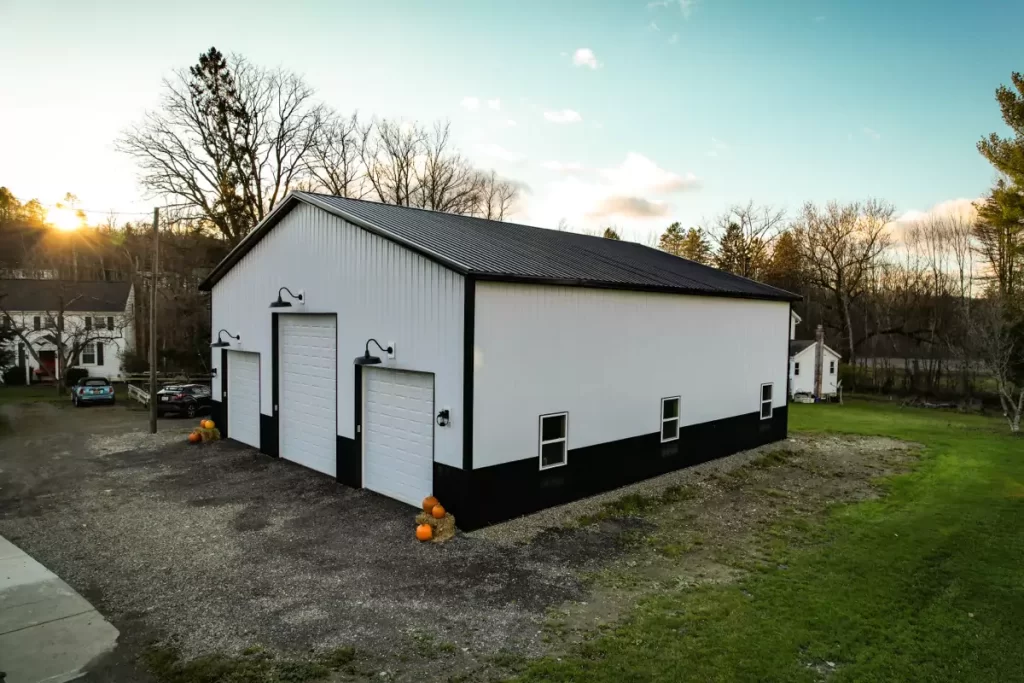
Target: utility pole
[[152, 320]]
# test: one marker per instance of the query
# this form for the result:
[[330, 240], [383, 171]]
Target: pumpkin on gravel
[[195, 437], [424, 532], [208, 424], [429, 502], [437, 512]]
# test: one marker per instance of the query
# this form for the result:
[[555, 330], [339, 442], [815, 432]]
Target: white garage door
[[398, 434], [307, 393], [244, 397]]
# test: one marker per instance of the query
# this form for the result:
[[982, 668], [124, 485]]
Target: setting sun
[[64, 219]]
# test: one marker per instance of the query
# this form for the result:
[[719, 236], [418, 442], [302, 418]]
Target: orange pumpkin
[[424, 532], [208, 424], [437, 511], [428, 504], [195, 437]]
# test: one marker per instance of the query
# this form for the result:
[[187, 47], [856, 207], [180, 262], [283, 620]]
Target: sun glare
[[63, 219]]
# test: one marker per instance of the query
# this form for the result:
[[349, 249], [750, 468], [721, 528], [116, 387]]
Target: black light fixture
[[220, 343], [281, 303], [367, 359]]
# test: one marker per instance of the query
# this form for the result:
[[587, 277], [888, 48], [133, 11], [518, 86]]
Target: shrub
[[133, 363], [14, 376], [72, 376]]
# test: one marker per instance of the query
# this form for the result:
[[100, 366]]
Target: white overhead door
[[307, 390], [244, 397], [398, 434]]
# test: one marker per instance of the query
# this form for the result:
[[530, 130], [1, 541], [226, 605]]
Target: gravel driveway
[[216, 548]]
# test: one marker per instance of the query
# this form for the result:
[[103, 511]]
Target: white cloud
[[496, 151], [717, 148], [507, 123], [584, 56], [685, 6], [673, 39], [638, 174], [958, 208], [653, 26], [470, 103], [633, 194], [563, 116], [820, 18], [562, 166], [871, 133], [494, 104]]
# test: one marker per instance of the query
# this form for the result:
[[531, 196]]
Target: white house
[[517, 367], [94, 317], [801, 369]]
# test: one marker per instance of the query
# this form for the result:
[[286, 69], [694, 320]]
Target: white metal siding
[[244, 397], [398, 434], [609, 357], [377, 288], [306, 395]]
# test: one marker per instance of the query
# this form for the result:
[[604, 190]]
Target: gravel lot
[[216, 548]]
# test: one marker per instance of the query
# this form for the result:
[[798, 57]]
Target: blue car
[[92, 390]]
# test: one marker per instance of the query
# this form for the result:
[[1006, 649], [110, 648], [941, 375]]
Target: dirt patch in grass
[[728, 522]]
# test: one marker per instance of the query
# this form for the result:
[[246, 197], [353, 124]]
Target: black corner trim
[[268, 436], [468, 357], [274, 430], [223, 421]]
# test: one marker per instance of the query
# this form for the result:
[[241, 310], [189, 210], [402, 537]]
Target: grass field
[[925, 584], [33, 394]]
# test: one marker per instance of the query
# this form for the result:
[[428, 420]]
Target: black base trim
[[349, 462], [268, 435], [219, 415], [494, 494]]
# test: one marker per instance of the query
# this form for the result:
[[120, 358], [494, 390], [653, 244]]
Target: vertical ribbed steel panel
[[377, 288]]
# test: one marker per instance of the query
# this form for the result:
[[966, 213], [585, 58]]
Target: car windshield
[[95, 382]]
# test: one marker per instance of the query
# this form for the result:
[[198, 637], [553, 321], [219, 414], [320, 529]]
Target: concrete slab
[[48, 632]]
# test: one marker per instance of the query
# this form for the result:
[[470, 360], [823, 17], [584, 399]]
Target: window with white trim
[[796, 369], [100, 322], [89, 354], [831, 367], [669, 419], [766, 401], [553, 440]]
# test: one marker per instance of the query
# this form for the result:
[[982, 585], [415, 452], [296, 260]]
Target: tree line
[[230, 139]]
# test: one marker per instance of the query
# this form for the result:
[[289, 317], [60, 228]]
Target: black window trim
[[661, 431], [564, 439], [762, 401], [796, 368]]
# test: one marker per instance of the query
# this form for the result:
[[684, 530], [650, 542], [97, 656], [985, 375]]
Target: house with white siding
[[501, 367], [92, 320]]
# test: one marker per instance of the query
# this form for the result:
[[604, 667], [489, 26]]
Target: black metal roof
[[494, 250], [70, 295], [798, 345]]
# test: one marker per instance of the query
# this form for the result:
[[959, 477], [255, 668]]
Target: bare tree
[[334, 163], [841, 244], [996, 341], [445, 180], [389, 150], [496, 196], [744, 235], [228, 140]]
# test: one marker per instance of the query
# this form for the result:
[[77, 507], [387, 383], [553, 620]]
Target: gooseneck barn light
[[281, 303], [220, 343], [367, 359]]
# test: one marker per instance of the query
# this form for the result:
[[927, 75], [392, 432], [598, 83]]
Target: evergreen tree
[[610, 234], [739, 254], [1007, 154], [785, 268], [696, 246], [671, 241]]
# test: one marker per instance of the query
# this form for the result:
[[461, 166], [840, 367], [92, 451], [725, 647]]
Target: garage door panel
[[243, 374], [308, 404], [398, 433]]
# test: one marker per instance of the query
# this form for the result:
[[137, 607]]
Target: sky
[[628, 113]]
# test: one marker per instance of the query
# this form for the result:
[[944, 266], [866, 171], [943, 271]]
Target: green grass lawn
[[35, 393], [925, 584]]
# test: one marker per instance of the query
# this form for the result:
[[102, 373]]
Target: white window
[[553, 442], [766, 401], [100, 323], [796, 369], [831, 367], [89, 354], [669, 419]]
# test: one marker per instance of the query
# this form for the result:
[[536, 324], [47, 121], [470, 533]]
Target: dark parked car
[[183, 399], [92, 390]]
